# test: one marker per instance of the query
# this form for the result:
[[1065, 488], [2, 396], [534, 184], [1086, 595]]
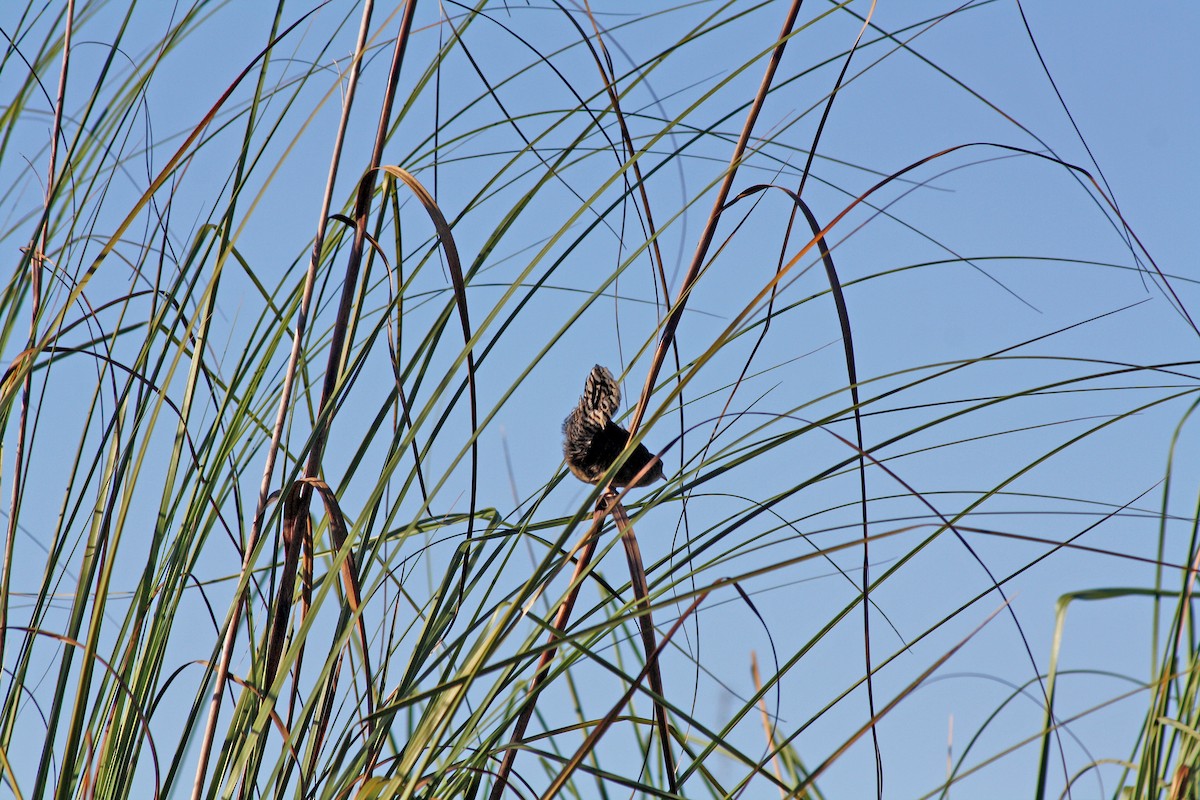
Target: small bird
[[592, 441]]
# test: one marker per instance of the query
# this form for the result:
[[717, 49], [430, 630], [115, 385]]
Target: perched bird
[[592, 441]]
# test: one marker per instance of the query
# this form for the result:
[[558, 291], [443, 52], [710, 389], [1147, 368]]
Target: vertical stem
[[37, 257], [710, 227], [543, 668], [641, 593], [285, 399], [366, 187]]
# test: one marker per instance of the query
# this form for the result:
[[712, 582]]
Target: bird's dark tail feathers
[[601, 396]]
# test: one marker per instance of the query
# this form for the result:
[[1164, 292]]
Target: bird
[[592, 441]]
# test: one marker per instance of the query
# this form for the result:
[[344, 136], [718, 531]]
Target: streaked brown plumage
[[592, 441]]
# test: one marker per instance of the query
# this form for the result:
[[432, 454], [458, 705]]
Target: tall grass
[[299, 298]]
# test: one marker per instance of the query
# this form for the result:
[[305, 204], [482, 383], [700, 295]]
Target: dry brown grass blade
[[766, 719], [586, 549], [297, 546], [710, 226], [1181, 784], [604, 724], [305, 576], [641, 593], [281, 726], [610, 501], [338, 532], [296, 529], [18, 371]]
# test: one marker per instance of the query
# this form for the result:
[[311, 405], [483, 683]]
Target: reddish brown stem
[[592, 538]]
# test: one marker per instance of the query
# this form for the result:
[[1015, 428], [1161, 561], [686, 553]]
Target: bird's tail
[[601, 395]]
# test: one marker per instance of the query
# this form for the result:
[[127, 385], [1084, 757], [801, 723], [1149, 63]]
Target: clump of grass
[[291, 333]]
